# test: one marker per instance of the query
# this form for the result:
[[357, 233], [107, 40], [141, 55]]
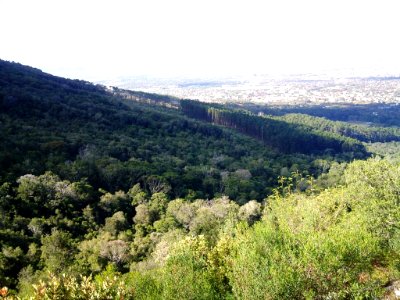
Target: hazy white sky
[[100, 39]]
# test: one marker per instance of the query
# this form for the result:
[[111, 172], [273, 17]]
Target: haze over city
[[99, 40]]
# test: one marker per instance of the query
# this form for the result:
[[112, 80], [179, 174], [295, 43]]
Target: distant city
[[263, 89]]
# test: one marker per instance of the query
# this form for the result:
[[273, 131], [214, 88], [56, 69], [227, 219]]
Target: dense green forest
[[381, 114], [113, 194], [365, 133], [277, 133]]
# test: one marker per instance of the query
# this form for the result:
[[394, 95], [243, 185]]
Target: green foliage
[[11, 260], [84, 132], [328, 245], [375, 114], [250, 212], [58, 251], [145, 285], [137, 195], [142, 202], [360, 132], [107, 285], [286, 134], [186, 274], [116, 223], [112, 203], [342, 242]]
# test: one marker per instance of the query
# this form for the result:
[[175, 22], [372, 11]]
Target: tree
[[116, 223], [186, 274], [137, 195], [58, 250], [36, 226], [116, 251], [250, 212], [111, 203], [143, 215], [157, 184]]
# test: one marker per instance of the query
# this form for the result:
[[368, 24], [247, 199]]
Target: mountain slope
[[282, 135], [79, 130], [116, 138]]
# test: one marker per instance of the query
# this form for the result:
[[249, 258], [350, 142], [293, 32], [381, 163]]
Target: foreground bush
[[343, 243], [340, 244]]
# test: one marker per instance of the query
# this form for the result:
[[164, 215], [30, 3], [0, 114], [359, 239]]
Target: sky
[[99, 39]]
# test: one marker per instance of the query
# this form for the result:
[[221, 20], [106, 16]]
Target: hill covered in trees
[[284, 135], [116, 139], [107, 193]]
